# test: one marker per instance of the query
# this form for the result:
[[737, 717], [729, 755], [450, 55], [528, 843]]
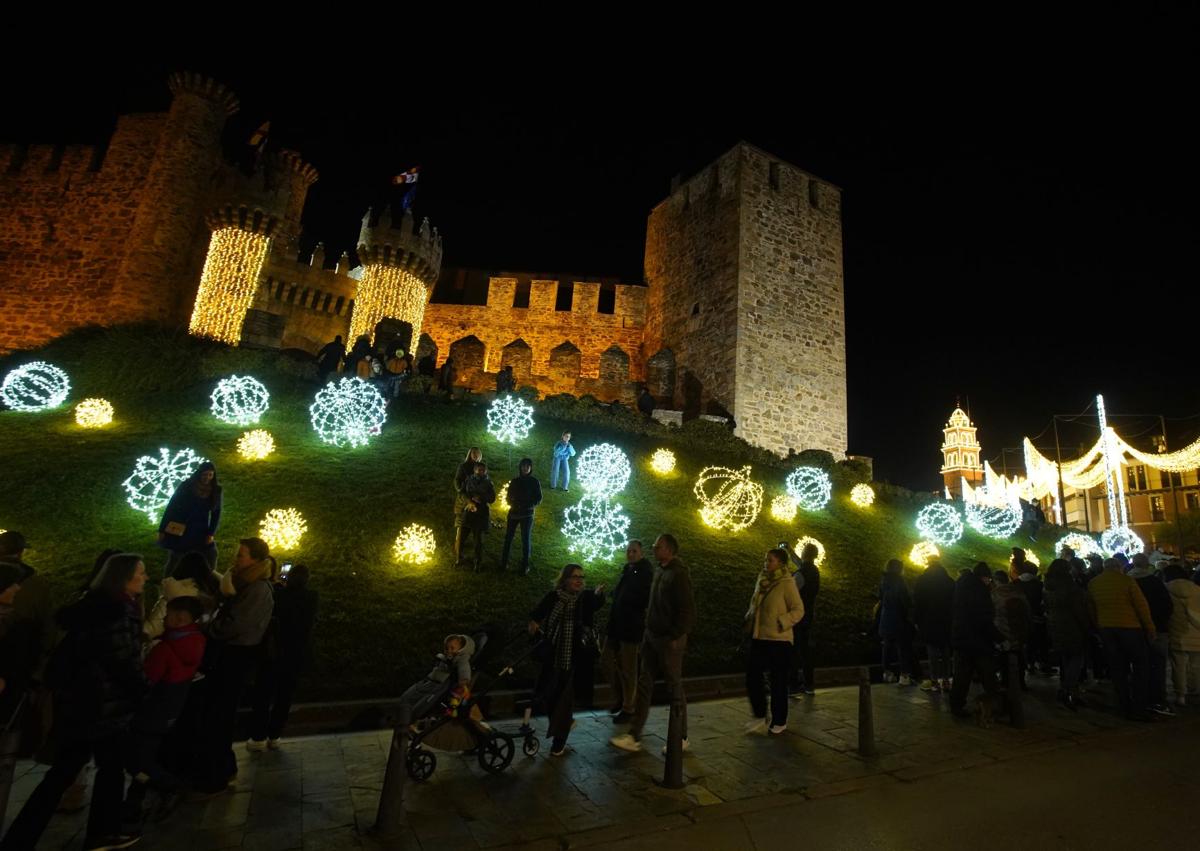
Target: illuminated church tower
[[960, 454]]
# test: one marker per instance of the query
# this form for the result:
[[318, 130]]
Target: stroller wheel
[[420, 764], [531, 746], [496, 752]]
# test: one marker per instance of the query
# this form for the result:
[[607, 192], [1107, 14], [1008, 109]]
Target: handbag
[[589, 639], [175, 528]]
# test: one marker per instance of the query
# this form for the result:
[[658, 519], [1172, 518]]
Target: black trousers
[[966, 666], [803, 658], [215, 763], [273, 690], [460, 536], [773, 659]]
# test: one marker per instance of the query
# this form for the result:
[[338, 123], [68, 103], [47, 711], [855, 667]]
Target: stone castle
[[740, 314]]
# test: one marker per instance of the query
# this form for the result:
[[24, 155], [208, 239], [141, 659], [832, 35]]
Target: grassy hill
[[381, 620]]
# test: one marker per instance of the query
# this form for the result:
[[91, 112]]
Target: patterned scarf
[[560, 628], [766, 580]]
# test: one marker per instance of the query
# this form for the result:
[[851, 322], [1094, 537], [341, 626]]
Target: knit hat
[[10, 574], [12, 543]]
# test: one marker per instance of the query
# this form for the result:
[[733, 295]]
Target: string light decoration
[[862, 495], [811, 487], [153, 481], [240, 400], [282, 528], [415, 544], [509, 419], [387, 291], [256, 445], [784, 507], [93, 413], [1031, 558], [602, 470], [994, 522], [227, 284], [1121, 539], [595, 528], [923, 552], [735, 501], [662, 461], [939, 522], [803, 542], [502, 498], [37, 386], [348, 412], [1082, 545]]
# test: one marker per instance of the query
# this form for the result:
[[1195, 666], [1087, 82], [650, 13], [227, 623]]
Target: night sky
[[1020, 242]]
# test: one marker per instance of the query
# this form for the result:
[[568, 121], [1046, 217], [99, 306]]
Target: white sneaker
[[776, 729], [684, 747], [626, 742], [256, 745], [889, 677], [274, 744], [757, 727], [905, 680]]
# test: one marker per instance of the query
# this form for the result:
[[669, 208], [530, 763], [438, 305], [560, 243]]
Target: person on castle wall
[[190, 520], [449, 374], [427, 366], [506, 382], [361, 350], [330, 358], [561, 462], [646, 403], [471, 514], [524, 495]]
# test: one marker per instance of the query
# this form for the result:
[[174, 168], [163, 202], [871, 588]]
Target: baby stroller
[[456, 724]]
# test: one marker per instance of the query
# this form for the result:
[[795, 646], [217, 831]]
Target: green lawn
[[380, 621]]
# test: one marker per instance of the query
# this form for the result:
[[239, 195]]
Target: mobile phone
[[285, 569], [783, 545]]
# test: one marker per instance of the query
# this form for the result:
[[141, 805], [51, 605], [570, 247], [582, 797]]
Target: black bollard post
[[866, 716], [1012, 694], [673, 769], [390, 817]]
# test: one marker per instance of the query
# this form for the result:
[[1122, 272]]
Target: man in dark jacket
[[646, 403], [808, 583], [524, 495], [933, 615], [1158, 598], [330, 357], [671, 616], [626, 626], [974, 636]]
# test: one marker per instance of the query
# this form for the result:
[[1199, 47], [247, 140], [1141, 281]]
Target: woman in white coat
[[1184, 634], [775, 607]]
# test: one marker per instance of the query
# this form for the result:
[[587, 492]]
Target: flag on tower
[[409, 176]]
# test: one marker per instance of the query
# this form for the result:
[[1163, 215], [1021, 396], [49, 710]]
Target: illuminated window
[[1192, 500], [1156, 509]]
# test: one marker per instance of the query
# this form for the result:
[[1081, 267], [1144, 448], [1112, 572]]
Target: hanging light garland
[[784, 507], [240, 400], [602, 470], [862, 495], [93, 413], [227, 284], [811, 487], [415, 544], [509, 419], [348, 412], [734, 503], [939, 522], [256, 445], [595, 528], [663, 461], [154, 480], [387, 291], [282, 528], [37, 386]]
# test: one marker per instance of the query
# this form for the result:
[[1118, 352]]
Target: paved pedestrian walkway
[[322, 792]]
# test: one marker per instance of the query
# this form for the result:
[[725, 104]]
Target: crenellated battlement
[[401, 244]]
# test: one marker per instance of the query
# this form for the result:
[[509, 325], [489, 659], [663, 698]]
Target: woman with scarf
[[565, 618], [190, 520], [775, 607]]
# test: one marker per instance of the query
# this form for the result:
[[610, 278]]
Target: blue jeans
[[560, 466], [526, 524]]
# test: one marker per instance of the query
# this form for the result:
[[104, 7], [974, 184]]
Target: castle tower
[[744, 269], [400, 267], [960, 454]]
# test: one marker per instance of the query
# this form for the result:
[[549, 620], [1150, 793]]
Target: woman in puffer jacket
[[775, 607], [1184, 634]]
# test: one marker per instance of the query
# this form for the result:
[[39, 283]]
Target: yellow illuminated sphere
[[662, 461], [922, 552], [728, 498], [414, 544], [93, 413], [784, 507], [1032, 559], [282, 528], [804, 542], [862, 495], [256, 445], [502, 498]]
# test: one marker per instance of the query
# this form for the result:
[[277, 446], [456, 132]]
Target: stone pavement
[[320, 792]]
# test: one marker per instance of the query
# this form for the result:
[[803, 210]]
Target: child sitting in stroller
[[449, 680]]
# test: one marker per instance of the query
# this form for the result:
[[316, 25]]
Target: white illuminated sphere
[[997, 522], [414, 544], [509, 419], [348, 412], [595, 528], [862, 495], [282, 528], [784, 507], [240, 400], [1121, 539], [811, 487], [602, 470], [36, 386], [805, 541], [256, 445], [662, 461], [939, 522], [728, 498], [93, 413], [922, 552], [1082, 545], [153, 481]]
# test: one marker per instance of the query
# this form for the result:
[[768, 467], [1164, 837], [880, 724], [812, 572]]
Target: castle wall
[[299, 305]]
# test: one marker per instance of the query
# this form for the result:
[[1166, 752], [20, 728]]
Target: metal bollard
[[673, 769], [866, 716], [390, 817], [1012, 694]]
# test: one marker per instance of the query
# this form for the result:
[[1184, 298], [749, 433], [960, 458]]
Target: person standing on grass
[[190, 520], [472, 514], [524, 495], [561, 462], [775, 608]]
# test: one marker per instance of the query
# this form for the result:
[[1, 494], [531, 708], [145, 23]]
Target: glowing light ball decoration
[[227, 284], [348, 412], [240, 400], [1083, 545], [36, 386], [256, 445], [784, 507], [804, 542], [1121, 539], [862, 495], [595, 528], [282, 528], [662, 461], [509, 419], [414, 544], [997, 522], [154, 480], [728, 498], [939, 522], [922, 552], [602, 470], [93, 413], [1031, 558], [811, 487]]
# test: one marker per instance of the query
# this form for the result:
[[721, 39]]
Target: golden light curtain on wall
[[391, 292], [228, 283]]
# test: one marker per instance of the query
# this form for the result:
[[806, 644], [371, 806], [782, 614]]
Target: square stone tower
[[745, 288]]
